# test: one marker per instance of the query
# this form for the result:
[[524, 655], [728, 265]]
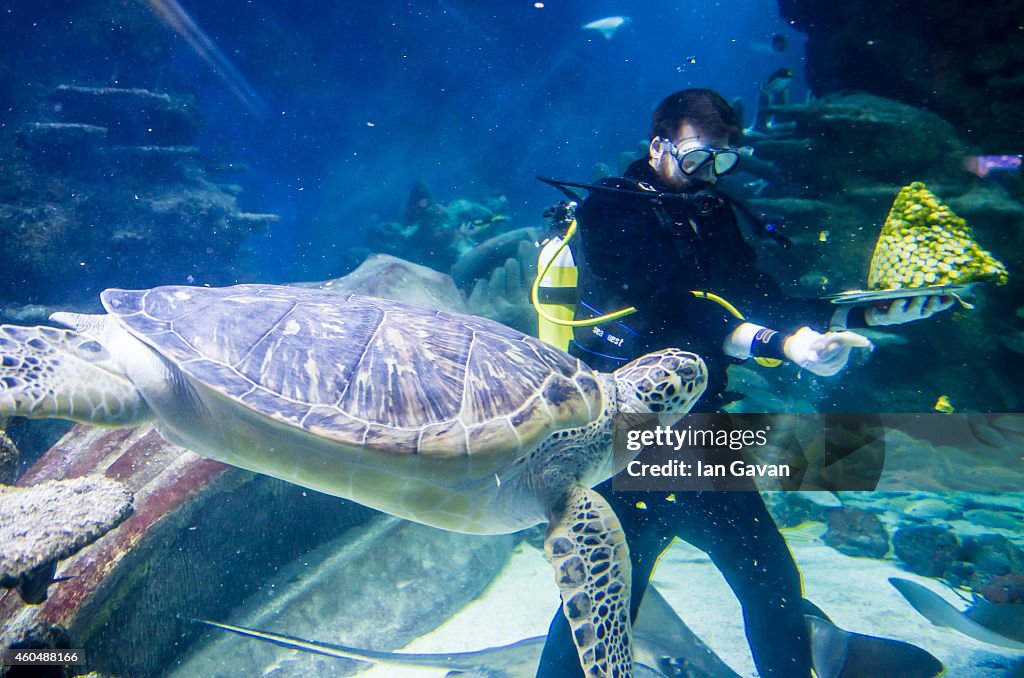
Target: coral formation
[[110, 175], [435, 234], [924, 243]]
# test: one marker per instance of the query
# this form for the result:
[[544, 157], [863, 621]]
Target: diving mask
[[722, 160]]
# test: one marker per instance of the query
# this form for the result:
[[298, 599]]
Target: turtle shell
[[363, 371]]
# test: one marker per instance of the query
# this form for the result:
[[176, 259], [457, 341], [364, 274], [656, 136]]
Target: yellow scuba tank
[[555, 290], [557, 293]]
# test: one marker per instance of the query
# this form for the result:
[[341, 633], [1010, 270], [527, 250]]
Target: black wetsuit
[[649, 253]]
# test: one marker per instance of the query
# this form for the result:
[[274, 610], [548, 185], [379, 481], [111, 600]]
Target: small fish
[[608, 25], [807, 532], [477, 226], [943, 405], [778, 82], [929, 509], [823, 236], [823, 498]]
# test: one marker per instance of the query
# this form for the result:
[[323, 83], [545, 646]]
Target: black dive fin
[[837, 653]]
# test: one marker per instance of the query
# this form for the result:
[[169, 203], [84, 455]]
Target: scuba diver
[[663, 242]]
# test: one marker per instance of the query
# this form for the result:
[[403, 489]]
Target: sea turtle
[[445, 419]]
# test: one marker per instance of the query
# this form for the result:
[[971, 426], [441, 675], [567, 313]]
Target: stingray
[[663, 646], [662, 643], [1001, 625]]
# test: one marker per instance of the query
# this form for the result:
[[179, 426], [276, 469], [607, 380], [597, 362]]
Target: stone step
[[132, 116]]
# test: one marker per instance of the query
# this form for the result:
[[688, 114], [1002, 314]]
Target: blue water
[[336, 110], [362, 99]]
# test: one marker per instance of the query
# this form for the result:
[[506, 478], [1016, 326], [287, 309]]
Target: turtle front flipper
[[588, 550], [47, 372]]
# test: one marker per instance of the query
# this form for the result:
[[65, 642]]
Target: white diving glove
[[824, 354], [907, 310]]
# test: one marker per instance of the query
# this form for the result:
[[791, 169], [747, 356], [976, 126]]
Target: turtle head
[[667, 381]]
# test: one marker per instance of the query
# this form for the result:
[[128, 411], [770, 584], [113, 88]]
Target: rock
[[990, 204], [45, 523], [8, 458], [907, 143], [131, 116], [159, 163], [926, 550], [924, 54], [388, 277], [993, 555], [856, 532], [60, 137], [1004, 589]]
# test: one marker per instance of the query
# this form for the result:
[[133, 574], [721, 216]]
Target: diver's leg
[[740, 536], [647, 535]]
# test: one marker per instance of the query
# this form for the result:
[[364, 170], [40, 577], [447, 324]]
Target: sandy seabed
[[854, 592]]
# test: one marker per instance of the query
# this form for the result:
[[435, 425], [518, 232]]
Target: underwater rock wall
[[959, 59], [101, 183]]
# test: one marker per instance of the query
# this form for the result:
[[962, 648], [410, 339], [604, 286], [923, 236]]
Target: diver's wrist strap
[[750, 340]]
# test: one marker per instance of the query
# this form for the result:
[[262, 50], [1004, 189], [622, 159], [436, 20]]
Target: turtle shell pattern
[[361, 371]]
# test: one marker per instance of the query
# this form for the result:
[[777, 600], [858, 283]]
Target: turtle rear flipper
[[48, 372], [591, 559]]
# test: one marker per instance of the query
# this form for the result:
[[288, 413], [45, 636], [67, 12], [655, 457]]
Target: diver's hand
[[907, 310], [823, 354]]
